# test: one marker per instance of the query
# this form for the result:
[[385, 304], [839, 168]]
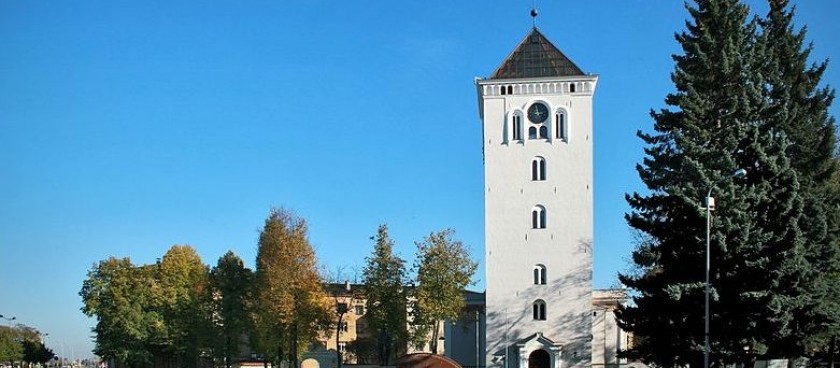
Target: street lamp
[[341, 309], [8, 319], [710, 204]]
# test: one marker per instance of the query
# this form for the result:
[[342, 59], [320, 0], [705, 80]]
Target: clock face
[[537, 113]]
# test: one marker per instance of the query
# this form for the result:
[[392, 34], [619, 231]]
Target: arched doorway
[[539, 359]]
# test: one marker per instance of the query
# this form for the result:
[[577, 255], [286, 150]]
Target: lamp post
[[710, 204], [8, 319], [341, 309]]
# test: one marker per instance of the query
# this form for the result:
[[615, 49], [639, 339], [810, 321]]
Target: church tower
[[536, 111]]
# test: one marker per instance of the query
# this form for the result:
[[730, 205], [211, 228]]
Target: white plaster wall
[[513, 248]]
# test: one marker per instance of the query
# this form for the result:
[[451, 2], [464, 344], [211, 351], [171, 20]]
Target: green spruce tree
[[716, 122], [798, 106], [230, 295], [384, 279]]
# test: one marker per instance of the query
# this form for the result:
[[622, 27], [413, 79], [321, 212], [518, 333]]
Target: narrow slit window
[[538, 217], [560, 125], [539, 310], [542, 169], [517, 127], [538, 169], [539, 275]]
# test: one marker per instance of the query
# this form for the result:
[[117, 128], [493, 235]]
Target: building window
[[539, 310], [360, 310], [517, 127], [544, 132], [510, 90], [539, 275], [538, 217], [344, 326], [538, 169], [532, 133], [572, 88], [560, 125], [342, 346]]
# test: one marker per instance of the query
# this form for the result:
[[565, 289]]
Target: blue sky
[[127, 127]]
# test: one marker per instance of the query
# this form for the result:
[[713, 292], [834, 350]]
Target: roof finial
[[534, 12]]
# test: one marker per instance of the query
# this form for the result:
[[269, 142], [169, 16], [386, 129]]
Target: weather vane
[[534, 12]]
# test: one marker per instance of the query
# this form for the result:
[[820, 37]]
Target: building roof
[[536, 57]]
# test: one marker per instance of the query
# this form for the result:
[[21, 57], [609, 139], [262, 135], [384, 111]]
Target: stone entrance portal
[[539, 359]]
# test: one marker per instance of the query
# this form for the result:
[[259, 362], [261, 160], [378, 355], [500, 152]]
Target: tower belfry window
[[560, 126], [517, 127]]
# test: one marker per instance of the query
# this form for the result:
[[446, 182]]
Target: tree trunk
[[294, 360], [434, 342]]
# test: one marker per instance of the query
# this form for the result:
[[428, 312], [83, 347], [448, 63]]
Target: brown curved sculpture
[[426, 360]]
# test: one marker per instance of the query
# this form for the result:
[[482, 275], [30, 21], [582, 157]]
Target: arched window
[[538, 217], [539, 310], [510, 90], [532, 133], [539, 275], [572, 88], [517, 127], [544, 132], [560, 125], [538, 169]]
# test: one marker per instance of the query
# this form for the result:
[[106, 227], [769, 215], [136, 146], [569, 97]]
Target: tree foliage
[[727, 112], [128, 322], [148, 314], [182, 287], [444, 270], [798, 105], [10, 347], [230, 293], [34, 351], [384, 278], [290, 305]]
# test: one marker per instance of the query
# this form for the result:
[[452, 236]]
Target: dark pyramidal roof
[[536, 57]]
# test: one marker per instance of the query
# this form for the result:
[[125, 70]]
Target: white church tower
[[536, 111]]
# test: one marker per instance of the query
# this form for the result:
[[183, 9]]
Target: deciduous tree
[[290, 303], [128, 322], [444, 269], [10, 348], [182, 287]]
